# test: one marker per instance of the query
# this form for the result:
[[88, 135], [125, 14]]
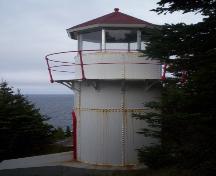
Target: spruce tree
[[68, 132], [186, 113], [23, 131]]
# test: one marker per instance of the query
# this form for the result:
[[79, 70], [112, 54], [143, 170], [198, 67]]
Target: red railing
[[163, 77], [60, 64]]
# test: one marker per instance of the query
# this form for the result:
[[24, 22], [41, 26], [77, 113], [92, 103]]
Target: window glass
[[121, 36], [94, 36], [121, 39], [91, 40]]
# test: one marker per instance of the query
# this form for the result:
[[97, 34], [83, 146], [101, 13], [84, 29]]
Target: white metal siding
[[136, 97], [101, 137], [121, 69]]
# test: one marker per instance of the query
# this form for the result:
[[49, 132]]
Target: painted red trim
[[49, 70], [81, 64], [75, 51], [163, 77], [74, 120]]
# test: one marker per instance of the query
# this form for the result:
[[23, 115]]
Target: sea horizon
[[57, 107]]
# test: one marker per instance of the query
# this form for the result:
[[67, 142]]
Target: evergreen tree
[[186, 113], [58, 134], [68, 132], [23, 131]]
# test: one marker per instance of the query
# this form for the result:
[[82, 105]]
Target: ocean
[[57, 107]]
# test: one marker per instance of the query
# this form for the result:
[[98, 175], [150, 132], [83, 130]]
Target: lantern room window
[[90, 40], [111, 39], [121, 36], [121, 39]]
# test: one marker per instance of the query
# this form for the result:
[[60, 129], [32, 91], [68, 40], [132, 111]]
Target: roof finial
[[116, 9]]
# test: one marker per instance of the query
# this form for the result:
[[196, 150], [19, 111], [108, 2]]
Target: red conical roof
[[114, 19]]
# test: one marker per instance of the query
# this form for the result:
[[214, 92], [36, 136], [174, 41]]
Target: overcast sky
[[30, 29]]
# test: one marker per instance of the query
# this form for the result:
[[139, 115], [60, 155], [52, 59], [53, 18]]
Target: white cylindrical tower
[[111, 81]]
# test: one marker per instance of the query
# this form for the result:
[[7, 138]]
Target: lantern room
[[115, 30]]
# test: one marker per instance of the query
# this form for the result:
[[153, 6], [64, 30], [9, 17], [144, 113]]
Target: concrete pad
[[59, 164], [37, 161]]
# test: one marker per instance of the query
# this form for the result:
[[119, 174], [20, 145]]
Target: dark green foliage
[[58, 134], [186, 113], [23, 131], [68, 132], [205, 7], [156, 156]]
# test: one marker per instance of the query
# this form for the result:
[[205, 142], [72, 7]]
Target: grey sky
[[30, 29]]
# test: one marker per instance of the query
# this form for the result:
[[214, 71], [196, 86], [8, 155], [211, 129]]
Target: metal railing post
[[163, 77], [81, 64], [49, 70]]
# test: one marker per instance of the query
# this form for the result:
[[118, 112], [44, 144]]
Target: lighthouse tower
[[111, 80]]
